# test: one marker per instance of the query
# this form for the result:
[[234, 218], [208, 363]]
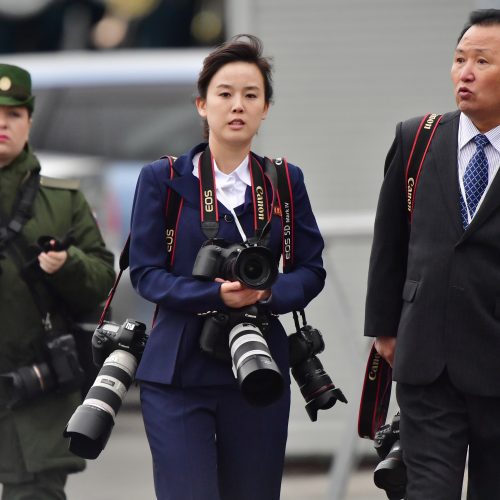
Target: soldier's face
[[476, 75], [235, 104], [15, 124]]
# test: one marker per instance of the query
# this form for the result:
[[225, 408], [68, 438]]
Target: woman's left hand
[[236, 295]]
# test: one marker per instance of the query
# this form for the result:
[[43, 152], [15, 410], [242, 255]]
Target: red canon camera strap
[[377, 383], [421, 145], [376, 395], [173, 208], [209, 213]]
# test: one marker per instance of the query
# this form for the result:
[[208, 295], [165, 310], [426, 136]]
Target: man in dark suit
[[433, 300]]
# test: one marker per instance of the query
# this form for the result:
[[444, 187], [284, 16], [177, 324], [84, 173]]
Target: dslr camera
[[315, 385], [237, 337], [253, 265], [390, 473], [118, 350], [60, 372]]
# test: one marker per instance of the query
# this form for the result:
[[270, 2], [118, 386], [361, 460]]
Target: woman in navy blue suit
[[207, 441]]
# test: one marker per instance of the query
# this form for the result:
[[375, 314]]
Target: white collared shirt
[[230, 188], [466, 148]]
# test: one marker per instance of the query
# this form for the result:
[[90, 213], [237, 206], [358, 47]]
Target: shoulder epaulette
[[51, 182]]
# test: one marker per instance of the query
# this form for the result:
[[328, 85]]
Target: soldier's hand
[[51, 262]]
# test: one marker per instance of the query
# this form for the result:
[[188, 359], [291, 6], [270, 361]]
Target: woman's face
[[235, 104], [15, 124]]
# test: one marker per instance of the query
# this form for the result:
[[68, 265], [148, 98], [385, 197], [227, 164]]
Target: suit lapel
[[444, 152], [188, 186]]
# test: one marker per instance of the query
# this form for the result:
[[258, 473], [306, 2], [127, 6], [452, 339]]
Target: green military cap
[[15, 87]]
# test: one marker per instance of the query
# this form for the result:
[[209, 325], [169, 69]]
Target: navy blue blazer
[[172, 354]]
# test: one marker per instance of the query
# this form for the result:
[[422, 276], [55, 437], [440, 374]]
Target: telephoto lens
[[91, 424], [314, 383], [259, 378]]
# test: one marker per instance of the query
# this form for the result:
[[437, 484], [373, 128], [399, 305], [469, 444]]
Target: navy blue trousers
[[208, 443]]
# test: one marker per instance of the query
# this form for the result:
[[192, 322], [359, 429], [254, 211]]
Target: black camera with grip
[[390, 473], [254, 265], [315, 385], [60, 372], [118, 349]]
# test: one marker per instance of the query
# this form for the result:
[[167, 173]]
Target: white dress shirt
[[466, 148], [230, 188]]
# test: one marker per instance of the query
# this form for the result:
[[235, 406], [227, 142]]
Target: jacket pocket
[[409, 290]]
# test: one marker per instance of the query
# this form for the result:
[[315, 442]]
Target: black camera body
[[253, 265], [390, 473], [131, 337], [60, 372], [315, 385], [118, 350], [214, 337]]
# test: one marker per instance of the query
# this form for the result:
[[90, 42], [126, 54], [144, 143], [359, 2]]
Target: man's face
[[476, 75], [15, 125]]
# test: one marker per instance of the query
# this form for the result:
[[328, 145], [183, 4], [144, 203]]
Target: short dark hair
[[481, 17], [243, 47]]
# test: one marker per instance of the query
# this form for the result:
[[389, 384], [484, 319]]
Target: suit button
[[228, 218]]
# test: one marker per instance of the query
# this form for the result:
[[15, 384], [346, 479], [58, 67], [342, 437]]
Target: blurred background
[[115, 82]]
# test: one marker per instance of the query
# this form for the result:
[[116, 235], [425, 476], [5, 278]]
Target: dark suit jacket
[[433, 285], [172, 354]]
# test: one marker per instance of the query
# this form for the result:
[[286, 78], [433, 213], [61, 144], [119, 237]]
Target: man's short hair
[[481, 17]]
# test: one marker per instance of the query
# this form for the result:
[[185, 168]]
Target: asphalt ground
[[123, 472]]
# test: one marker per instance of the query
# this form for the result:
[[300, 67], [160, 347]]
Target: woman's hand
[[51, 262], [236, 295]]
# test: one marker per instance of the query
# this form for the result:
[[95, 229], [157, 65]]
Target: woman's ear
[[201, 106]]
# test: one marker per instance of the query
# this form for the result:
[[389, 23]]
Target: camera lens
[[258, 375], [316, 386], [26, 383], [390, 473], [255, 267], [90, 426]]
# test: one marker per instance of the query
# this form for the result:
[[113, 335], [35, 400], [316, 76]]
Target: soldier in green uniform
[[39, 298]]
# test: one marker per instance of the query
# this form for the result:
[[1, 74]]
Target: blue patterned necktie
[[475, 179]]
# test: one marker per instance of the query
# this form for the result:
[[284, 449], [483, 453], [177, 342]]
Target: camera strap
[[209, 213], [17, 247], [377, 383], [173, 207], [23, 210], [418, 152], [277, 172]]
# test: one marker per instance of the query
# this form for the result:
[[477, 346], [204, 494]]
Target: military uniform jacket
[[31, 436], [432, 284], [172, 354]]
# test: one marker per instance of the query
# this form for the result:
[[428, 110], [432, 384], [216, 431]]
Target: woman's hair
[[241, 48]]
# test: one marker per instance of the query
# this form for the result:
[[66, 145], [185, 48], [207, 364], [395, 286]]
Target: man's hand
[[51, 261], [386, 346], [235, 295]]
